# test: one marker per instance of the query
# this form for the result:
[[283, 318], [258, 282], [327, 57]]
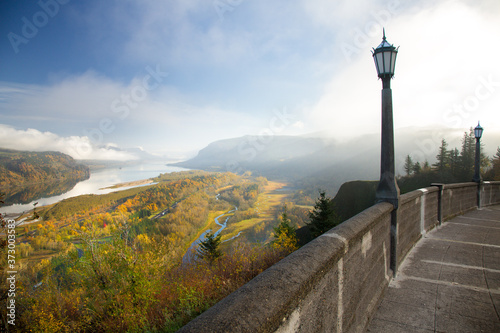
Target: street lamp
[[385, 60], [478, 132]]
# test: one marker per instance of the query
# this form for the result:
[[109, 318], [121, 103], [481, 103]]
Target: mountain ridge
[[19, 168]]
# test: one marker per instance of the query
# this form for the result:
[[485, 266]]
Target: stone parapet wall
[[417, 214], [458, 199], [490, 193]]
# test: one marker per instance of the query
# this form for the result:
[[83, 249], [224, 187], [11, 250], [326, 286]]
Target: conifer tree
[[323, 217], [467, 156], [209, 248], [494, 172], [442, 163], [408, 165]]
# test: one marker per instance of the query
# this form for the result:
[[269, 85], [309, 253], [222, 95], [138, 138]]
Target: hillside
[[354, 197], [18, 168], [305, 161]]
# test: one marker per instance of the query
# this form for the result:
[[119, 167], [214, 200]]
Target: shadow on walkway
[[450, 281]]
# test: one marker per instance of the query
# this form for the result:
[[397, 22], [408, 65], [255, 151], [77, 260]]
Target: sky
[[171, 76]]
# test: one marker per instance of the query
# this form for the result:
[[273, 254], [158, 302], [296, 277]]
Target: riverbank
[[141, 182]]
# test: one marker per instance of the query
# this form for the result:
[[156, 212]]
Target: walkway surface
[[450, 281]]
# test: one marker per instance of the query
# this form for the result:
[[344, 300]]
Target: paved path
[[450, 282]]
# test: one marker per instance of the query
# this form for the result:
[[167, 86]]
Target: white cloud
[[71, 99], [447, 51], [76, 146]]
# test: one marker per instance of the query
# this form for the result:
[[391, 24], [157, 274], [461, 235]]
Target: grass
[[267, 203]]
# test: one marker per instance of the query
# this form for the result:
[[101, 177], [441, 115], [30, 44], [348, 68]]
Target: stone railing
[[335, 282]]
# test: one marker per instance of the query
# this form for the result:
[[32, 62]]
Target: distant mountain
[[138, 153], [317, 162], [293, 158], [19, 168]]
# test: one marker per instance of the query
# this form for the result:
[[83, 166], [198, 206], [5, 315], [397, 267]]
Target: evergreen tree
[[494, 172], [323, 217], [209, 248], [426, 167], [442, 163], [417, 168], [408, 165], [454, 162], [285, 235], [467, 156]]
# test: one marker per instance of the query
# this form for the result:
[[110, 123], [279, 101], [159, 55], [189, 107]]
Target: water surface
[[98, 181]]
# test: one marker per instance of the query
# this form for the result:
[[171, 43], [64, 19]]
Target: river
[[191, 252], [98, 181]]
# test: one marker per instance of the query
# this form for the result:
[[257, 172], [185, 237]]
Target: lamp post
[[387, 190], [478, 132], [385, 60]]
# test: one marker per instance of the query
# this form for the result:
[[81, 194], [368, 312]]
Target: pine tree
[[467, 156], [454, 165], [408, 165], [442, 164], [323, 217], [494, 172], [209, 248], [417, 168]]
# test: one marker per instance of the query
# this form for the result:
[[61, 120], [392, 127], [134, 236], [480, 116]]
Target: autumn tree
[[285, 235]]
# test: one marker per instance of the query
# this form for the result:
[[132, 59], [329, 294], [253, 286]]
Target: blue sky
[[172, 76]]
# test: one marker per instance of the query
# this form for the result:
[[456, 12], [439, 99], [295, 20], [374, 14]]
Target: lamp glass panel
[[387, 62], [393, 61], [380, 62]]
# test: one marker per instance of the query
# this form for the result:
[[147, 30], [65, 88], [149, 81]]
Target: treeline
[[451, 166], [20, 167], [244, 196]]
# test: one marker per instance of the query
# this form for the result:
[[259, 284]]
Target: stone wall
[[335, 282], [458, 199], [490, 193], [417, 214]]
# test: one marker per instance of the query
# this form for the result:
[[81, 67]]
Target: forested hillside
[[19, 168], [114, 262]]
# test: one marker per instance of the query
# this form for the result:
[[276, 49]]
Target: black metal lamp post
[[385, 61], [387, 189], [478, 132]]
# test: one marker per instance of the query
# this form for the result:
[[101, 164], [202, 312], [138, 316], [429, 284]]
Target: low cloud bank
[[78, 147]]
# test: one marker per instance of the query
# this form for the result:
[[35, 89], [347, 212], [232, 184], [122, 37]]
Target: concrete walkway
[[450, 282]]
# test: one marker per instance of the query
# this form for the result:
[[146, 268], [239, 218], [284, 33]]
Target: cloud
[[446, 73], [76, 146], [70, 99], [90, 111]]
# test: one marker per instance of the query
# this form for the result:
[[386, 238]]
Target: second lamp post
[[478, 132]]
